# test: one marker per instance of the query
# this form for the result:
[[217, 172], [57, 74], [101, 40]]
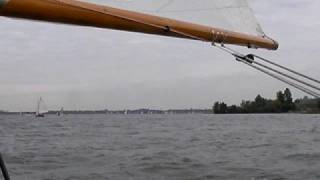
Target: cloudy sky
[[89, 68]]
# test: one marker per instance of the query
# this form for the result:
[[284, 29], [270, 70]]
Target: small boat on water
[[41, 108]]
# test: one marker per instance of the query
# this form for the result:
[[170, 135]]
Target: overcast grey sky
[[89, 68]]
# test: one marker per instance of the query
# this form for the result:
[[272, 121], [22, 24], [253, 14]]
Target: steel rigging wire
[[285, 68], [4, 169], [306, 90], [281, 76]]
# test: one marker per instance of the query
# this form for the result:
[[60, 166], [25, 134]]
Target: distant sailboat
[[41, 108], [60, 113]]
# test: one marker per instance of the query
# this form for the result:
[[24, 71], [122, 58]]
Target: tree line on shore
[[282, 104]]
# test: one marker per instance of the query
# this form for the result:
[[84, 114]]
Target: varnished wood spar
[[87, 14]]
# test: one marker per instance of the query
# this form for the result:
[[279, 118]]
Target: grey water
[[162, 147]]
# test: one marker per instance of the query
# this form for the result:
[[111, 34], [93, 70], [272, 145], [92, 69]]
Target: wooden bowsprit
[[89, 14]]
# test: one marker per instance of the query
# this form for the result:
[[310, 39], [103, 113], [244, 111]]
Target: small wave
[[259, 146], [304, 157], [160, 167]]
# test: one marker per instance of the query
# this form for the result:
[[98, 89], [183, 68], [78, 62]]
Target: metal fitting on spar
[[3, 2]]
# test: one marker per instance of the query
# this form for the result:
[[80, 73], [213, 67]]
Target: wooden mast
[[87, 14]]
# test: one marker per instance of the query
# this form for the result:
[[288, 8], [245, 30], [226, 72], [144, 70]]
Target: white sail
[[60, 113], [41, 107], [235, 15]]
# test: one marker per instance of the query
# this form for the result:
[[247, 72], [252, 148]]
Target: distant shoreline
[[283, 104], [137, 111], [159, 112]]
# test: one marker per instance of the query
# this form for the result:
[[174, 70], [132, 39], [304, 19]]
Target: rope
[[281, 76]]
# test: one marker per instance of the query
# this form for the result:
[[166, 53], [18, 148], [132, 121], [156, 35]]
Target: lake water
[[162, 147]]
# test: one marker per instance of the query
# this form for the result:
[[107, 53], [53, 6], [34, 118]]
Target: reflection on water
[[136, 147]]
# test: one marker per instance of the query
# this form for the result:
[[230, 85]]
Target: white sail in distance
[[233, 15], [41, 107]]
